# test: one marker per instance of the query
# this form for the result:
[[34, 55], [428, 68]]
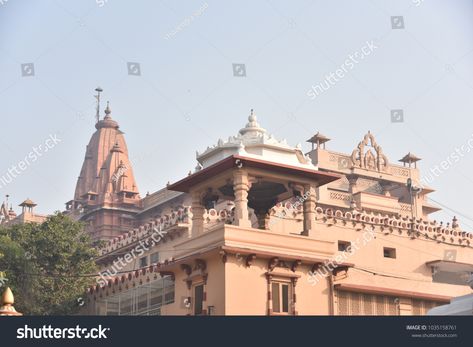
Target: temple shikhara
[[261, 227], [106, 195]]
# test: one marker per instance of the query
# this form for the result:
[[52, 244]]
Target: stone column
[[386, 187], [294, 297], [270, 294], [353, 189], [352, 183], [263, 219], [197, 214], [309, 209], [241, 188], [205, 305]]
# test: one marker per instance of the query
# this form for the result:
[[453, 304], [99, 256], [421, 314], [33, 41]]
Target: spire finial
[[252, 117], [97, 115], [252, 126], [108, 110], [7, 297], [6, 304]]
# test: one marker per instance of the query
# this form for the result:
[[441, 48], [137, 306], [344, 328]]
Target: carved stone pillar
[[294, 297], [241, 188], [263, 219], [270, 294], [309, 210], [352, 183], [205, 305], [197, 214], [386, 187]]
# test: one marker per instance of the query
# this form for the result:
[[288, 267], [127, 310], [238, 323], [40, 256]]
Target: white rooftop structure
[[254, 142]]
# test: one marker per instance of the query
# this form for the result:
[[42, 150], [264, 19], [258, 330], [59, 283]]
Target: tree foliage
[[47, 265]]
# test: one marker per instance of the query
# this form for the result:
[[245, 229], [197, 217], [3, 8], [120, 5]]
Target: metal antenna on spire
[[98, 90]]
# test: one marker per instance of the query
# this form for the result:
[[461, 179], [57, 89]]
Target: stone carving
[[364, 157]]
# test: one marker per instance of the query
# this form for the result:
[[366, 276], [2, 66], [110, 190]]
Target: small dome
[[27, 202], [252, 126]]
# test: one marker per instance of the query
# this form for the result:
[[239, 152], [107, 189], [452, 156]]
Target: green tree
[[47, 265]]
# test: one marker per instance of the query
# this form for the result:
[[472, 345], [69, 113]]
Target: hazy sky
[[186, 96]]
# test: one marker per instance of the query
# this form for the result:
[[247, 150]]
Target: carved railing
[[182, 215], [415, 228], [213, 216], [288, 209], [163, 223]]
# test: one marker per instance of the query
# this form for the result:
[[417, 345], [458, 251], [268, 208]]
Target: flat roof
[[450, 266], [391, 291], [236, 161]]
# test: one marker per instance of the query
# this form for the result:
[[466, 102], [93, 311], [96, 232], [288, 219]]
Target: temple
[[262, 228], [106, 197]]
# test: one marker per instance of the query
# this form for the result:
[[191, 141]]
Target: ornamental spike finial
[[108, 110], [97, 115], [252, 117]]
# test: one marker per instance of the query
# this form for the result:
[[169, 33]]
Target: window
[[457, 278], [145, 299], [168, 290], [143, 262], [358, 304], [280, 296], [198, 299], [389, 252], [343, 246], [154, 258]]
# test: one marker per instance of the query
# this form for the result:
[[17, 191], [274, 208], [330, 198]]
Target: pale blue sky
[[187, 97]]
